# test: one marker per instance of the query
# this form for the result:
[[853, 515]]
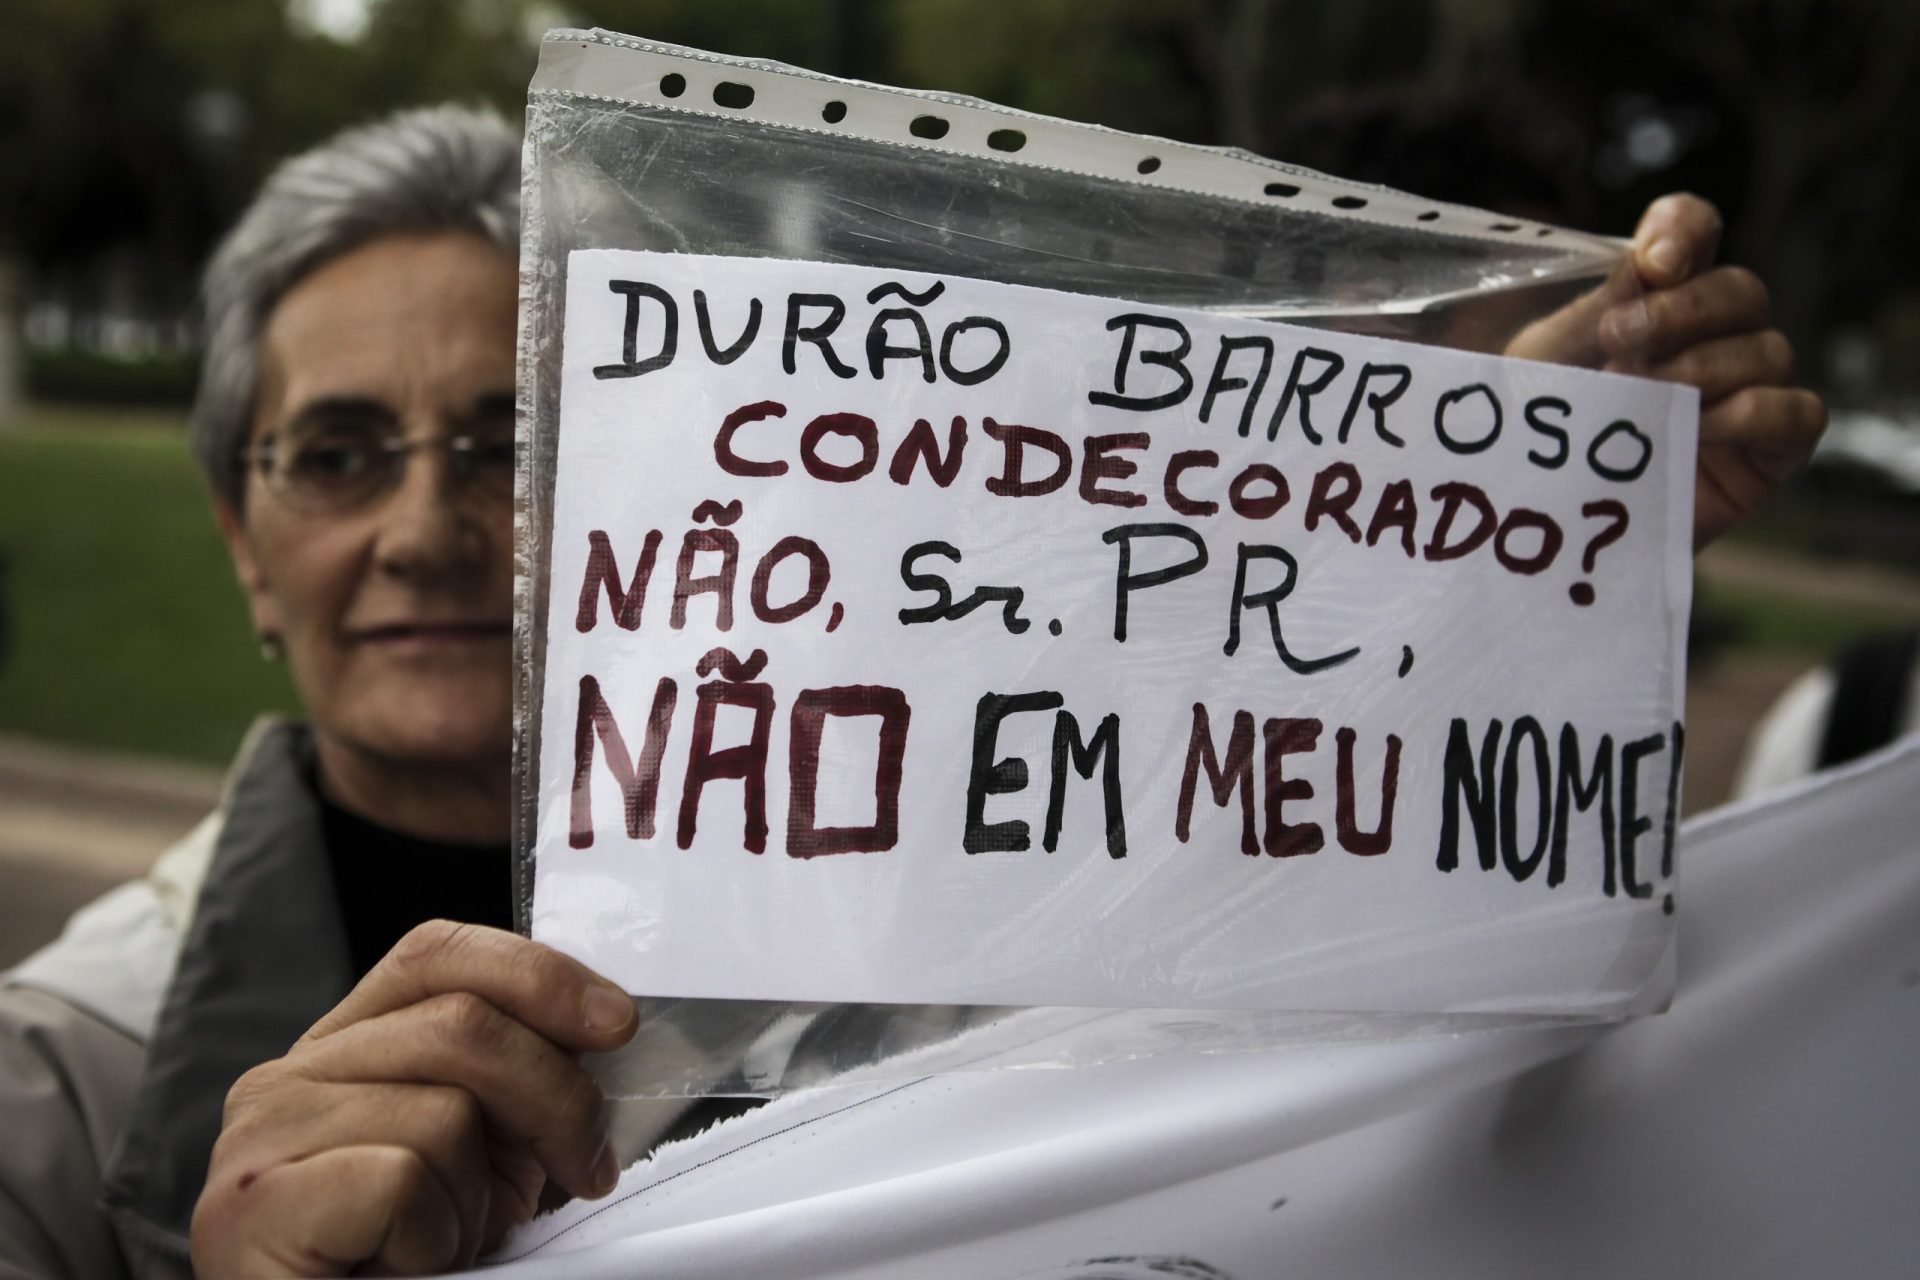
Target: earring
[[271, 649]]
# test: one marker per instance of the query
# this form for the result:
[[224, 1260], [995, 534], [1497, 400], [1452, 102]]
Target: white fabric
[[1785, 746], [1769, 1125]]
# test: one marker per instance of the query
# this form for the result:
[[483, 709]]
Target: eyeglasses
[[337, 470]]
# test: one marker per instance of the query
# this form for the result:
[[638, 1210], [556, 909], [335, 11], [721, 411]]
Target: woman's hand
[[419, 1120], [1669, 313]]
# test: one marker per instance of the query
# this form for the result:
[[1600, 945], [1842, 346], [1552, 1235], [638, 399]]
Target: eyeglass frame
[[394, 451]]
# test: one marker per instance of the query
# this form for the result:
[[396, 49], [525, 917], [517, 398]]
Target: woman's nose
[[427, 528]]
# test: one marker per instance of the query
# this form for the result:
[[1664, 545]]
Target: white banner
[[919, 638], [1764, 1127]]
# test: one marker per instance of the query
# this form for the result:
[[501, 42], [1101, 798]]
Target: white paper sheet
[[1221, 695]]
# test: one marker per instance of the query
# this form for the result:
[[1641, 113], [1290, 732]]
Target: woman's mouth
[[426, 635]]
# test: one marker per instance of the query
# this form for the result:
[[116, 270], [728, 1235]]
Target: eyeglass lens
[[335, 461]]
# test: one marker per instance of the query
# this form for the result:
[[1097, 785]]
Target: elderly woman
[[356, 424], [276, 1055]]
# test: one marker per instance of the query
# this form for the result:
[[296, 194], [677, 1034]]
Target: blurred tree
[[1117, 62], [132, 130], [126, 135], [1800, 118], [94, 153], [1208, 71], [845, 37]]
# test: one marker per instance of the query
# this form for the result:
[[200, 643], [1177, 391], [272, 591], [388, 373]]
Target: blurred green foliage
[[74, 376], [127, 630], [1755, 622], [1837, 518]]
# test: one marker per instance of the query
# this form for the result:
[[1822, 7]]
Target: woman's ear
[[247, 568]]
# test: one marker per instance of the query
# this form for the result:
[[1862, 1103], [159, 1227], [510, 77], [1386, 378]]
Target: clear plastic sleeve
[[632, 145]]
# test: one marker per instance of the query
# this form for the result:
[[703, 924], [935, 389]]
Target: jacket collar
[[264, 958]]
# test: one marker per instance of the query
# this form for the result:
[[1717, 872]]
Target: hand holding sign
[[1669, 313], [418, 1121]]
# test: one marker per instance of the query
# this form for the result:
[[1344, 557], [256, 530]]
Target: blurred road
[[1870, 586], [73, 824]]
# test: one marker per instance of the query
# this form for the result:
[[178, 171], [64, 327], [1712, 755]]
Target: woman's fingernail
[[1629, 324], [1669, 255], [607, 1009], [606, 1170]]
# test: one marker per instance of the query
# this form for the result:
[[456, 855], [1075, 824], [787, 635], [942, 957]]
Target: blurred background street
[[77, 823], [131, 133]]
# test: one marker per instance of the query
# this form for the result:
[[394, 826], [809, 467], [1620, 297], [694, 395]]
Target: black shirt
[[388, 882]]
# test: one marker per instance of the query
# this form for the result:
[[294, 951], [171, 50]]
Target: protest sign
[[913, 637]]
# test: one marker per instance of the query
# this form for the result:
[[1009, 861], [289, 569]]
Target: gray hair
[[444, 168]]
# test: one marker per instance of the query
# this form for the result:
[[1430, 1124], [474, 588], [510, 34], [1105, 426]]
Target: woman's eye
[[324, 460]]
